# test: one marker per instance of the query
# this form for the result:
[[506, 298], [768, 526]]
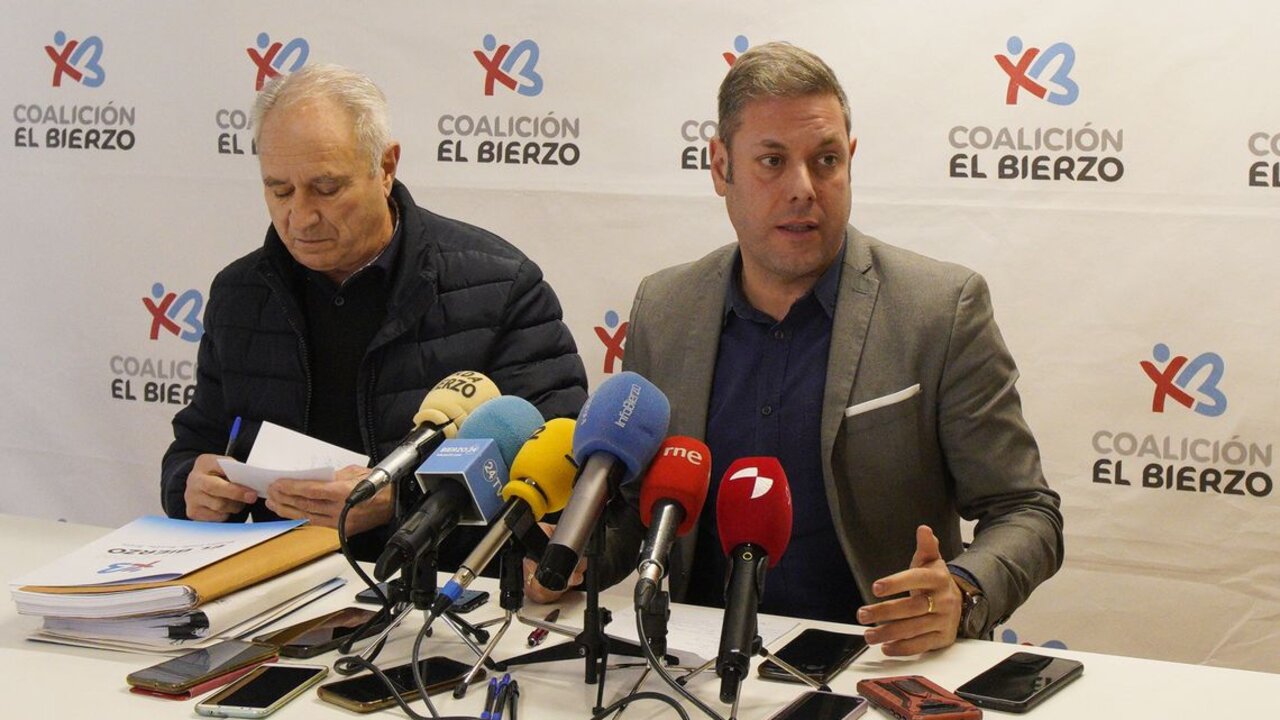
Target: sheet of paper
[[699, 640], [152, 549], [258, 478], [279, 452]]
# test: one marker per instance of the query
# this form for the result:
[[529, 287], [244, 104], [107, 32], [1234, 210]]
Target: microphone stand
[[526, 538], [415, 589], [591, 644]]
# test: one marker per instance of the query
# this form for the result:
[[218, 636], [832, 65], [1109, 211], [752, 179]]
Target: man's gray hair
[[774, 70], [351, 90]]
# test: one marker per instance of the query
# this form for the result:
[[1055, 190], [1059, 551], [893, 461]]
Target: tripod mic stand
[[591, 643], [415, 589]]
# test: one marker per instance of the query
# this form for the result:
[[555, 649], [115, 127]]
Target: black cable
[[395, 694], [342, 666], [647, 695], [655, 662]]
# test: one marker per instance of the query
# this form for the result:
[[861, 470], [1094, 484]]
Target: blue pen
[[490, 699], [235, 432], [504, 688]]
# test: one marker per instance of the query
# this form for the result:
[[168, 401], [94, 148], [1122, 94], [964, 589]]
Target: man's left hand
[[928, 618], [321, 502]]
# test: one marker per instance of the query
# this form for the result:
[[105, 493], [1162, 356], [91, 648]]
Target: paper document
[[282, 453], [152, 549], [262, 603]]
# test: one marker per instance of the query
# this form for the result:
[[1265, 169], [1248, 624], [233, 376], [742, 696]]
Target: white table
[[55, 681]]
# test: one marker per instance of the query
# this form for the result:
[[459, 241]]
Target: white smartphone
[[261, 692]]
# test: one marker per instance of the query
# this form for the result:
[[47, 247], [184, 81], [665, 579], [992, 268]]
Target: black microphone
[[463, 479], [441, 413]]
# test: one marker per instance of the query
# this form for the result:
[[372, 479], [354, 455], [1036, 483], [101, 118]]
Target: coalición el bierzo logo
[[695, 135], [1059, 153], [1224, 466], [485, 137], [81, 125], [270, 59], [154, 379]]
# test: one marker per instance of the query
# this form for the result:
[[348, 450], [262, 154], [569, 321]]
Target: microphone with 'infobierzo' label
[[541, 480], [462, 479], [753, 512], [443, 410], [618, 431], [671, 497]]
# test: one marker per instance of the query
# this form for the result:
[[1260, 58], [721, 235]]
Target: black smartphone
[[815, 705], [263, 691], [468, 601], [321, 634], [1020, 681], [820, 654], [199, 667], [367, 693]]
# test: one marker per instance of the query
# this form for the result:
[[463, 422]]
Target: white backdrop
[[1159, 245]]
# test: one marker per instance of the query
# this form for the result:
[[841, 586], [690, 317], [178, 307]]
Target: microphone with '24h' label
[[753, 512], [442, 411], [541, 481], [462, 479], [618, 432], [671, 498]]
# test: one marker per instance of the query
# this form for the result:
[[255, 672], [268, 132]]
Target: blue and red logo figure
[[1176, 377], [614, 337], [178, 315], [513, 67], [80, 60], [1027, 72], [273, 59]]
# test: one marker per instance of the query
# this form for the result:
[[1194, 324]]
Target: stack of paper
[[186, 581]]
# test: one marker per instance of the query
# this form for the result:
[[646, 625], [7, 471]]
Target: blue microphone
[[618, 432], [463, 479]]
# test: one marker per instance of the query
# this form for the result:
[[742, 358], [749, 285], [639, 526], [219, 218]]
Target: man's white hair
[[351, 90]]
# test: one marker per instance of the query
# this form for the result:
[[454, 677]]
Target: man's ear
[[721, 168], [390, 160]]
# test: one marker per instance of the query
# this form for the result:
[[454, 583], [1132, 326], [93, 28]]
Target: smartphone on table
[[263, 691], [914, 697], [468, 601], [815, 705], [820, 654], [200, 670], [367, 693], [318, 635], [1020, 681]]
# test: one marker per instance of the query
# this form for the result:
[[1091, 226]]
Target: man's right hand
[[210, 495]]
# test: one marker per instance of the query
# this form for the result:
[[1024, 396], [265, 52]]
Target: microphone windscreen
[[754, 506], [507, 420], [543, 472], [626, 417], [681, 471], [453, 399]]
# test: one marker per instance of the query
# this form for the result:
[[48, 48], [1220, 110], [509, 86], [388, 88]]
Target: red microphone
[[671, 498], [753, 512]]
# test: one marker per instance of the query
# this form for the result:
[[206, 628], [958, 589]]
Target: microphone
[[753, 512], [541, 480], [618, 431], [442, 411], [462, 478], [671, 498]]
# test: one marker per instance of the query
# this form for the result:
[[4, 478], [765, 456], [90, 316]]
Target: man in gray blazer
[[878, 377]]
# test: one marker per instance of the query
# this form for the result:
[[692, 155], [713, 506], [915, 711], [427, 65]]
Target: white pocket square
[[882, 401]]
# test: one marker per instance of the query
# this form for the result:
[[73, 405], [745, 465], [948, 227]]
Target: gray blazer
[[949, 443]]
